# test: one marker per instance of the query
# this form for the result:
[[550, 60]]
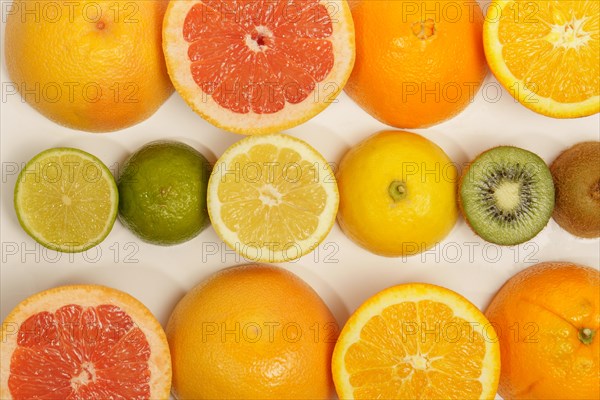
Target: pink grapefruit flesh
[[258, 66], [102, 344]]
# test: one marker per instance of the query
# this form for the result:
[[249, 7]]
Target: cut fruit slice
[[258, 66], [417, 341], [272, 198], [66, 199], [84, 342], [545, 53], [507, 195]]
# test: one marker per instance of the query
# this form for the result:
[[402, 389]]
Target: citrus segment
[[416, 341], [258, 66], [85, 342], [305, 62], [66, 199], [546, 54], [272, 198], [96, 377]]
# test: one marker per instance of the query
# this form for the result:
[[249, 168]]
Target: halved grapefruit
[[258, 66], [84, 342]]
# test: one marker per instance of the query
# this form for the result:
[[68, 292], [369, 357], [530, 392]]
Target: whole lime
[[162, 193]]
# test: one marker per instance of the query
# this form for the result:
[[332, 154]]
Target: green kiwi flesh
[[507, 195], [576, 174]]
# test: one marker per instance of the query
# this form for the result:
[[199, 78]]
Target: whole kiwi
[[576, 175]]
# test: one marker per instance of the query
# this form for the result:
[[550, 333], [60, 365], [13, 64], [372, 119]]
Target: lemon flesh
[[272, 198]]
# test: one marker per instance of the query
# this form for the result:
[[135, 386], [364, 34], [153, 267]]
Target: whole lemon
[[252, 332], [397, 194], [91, 65]]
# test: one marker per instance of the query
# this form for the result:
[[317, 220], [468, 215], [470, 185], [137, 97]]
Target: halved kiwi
[[506, 195], [576, 174]]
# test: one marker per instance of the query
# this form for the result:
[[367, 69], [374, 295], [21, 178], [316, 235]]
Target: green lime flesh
[[507, 195], [66, 199], [162, 189]]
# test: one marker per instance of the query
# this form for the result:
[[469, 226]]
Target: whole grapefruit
[[252, 332], [95, 66]]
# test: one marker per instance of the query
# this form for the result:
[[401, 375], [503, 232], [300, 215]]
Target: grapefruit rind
[[416, 292], [542, 105], [229, 298], [28, 225], [327, 181], [325, 92], [51, 300]]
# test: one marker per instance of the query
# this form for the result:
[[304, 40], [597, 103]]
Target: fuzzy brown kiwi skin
[[576, 175]]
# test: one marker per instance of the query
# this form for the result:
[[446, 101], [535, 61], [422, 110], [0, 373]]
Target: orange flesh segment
[[553, 47], [77, 353], [254, 56], [416, 350]]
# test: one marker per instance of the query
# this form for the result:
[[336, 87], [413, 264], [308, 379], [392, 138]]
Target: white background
[[341, 272]]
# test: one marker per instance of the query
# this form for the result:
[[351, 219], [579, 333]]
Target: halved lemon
[[417, 341], [545, 53], [272, 198]]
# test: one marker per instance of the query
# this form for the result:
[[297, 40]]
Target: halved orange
[[258, 66], [417, 341], [545, 53], [85, 342]]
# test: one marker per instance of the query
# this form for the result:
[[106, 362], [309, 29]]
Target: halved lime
[[66, 199]]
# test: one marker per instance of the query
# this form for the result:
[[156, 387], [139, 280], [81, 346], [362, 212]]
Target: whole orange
[[252, 332], [547, 319], [91, 65], [417, 63]]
